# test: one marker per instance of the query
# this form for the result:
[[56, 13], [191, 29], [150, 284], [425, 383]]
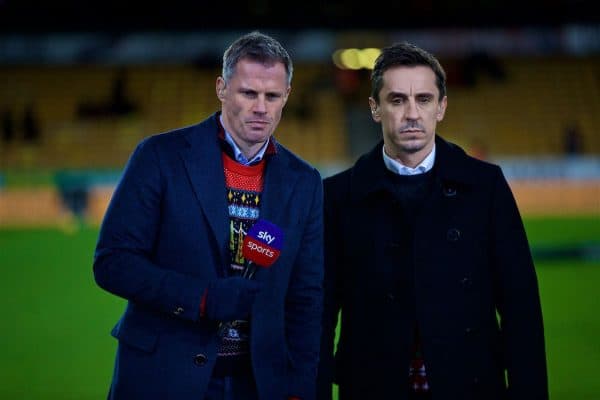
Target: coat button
[[200, 359], [178, 311], [453, 235], [466, 282], [469, 331], [449, 191]]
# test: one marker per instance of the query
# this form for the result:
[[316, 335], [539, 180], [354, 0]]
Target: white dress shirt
[[401, 169]]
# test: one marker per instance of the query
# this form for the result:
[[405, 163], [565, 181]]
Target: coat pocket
[[135, 335]]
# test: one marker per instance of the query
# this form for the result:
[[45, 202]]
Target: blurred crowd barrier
[[557, 197], [51, 206]]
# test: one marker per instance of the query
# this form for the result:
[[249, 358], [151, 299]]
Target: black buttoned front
[[200, 359], [453, 235]]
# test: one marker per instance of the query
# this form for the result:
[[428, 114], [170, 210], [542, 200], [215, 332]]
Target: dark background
[[23, 16]]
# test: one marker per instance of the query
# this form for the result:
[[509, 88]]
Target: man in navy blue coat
[[427, 259], [195, 327]]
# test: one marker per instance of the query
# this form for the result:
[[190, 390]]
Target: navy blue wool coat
[[165, 236]]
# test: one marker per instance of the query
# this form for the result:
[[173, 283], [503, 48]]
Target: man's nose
[[412, 112], [260, 105]]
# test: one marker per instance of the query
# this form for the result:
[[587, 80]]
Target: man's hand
[[228, 299]]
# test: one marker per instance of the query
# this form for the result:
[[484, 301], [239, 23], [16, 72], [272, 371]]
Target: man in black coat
[[427, 259]]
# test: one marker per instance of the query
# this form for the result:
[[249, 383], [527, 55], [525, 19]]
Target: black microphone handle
[[249, 270]]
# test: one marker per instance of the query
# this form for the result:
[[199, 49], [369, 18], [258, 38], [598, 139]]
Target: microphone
[[261, 246]]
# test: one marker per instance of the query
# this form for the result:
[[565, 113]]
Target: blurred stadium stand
[[79, 92]]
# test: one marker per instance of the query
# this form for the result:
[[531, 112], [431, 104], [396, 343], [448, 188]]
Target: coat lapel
[[202, 159], [276, 204], [368, 174], [278, 186]]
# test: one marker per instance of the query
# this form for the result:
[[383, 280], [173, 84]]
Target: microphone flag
[[262, 244]]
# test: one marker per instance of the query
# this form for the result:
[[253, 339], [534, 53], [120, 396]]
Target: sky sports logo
[[259, 248], [262, 245]]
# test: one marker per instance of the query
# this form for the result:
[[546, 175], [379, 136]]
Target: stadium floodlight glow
[[351, 58], [369, 56], [337, 58], [355, 58]]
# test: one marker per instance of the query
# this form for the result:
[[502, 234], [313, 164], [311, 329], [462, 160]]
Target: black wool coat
[[471, 286]]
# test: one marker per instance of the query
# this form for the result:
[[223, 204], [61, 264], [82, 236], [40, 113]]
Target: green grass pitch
[[55, 332]]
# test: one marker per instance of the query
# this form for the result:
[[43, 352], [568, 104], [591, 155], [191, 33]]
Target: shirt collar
[[400, 169], [237, 153]]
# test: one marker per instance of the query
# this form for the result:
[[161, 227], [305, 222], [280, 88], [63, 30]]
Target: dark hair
[[259, 47], [405, 54]]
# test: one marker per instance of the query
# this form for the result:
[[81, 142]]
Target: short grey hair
[[259, 47]]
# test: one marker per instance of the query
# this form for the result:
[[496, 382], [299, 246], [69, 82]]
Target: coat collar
[[451, 168]]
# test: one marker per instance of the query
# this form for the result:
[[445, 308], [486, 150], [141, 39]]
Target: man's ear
[[286, 94], [441, 111], [220, 88], [375, 111]]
